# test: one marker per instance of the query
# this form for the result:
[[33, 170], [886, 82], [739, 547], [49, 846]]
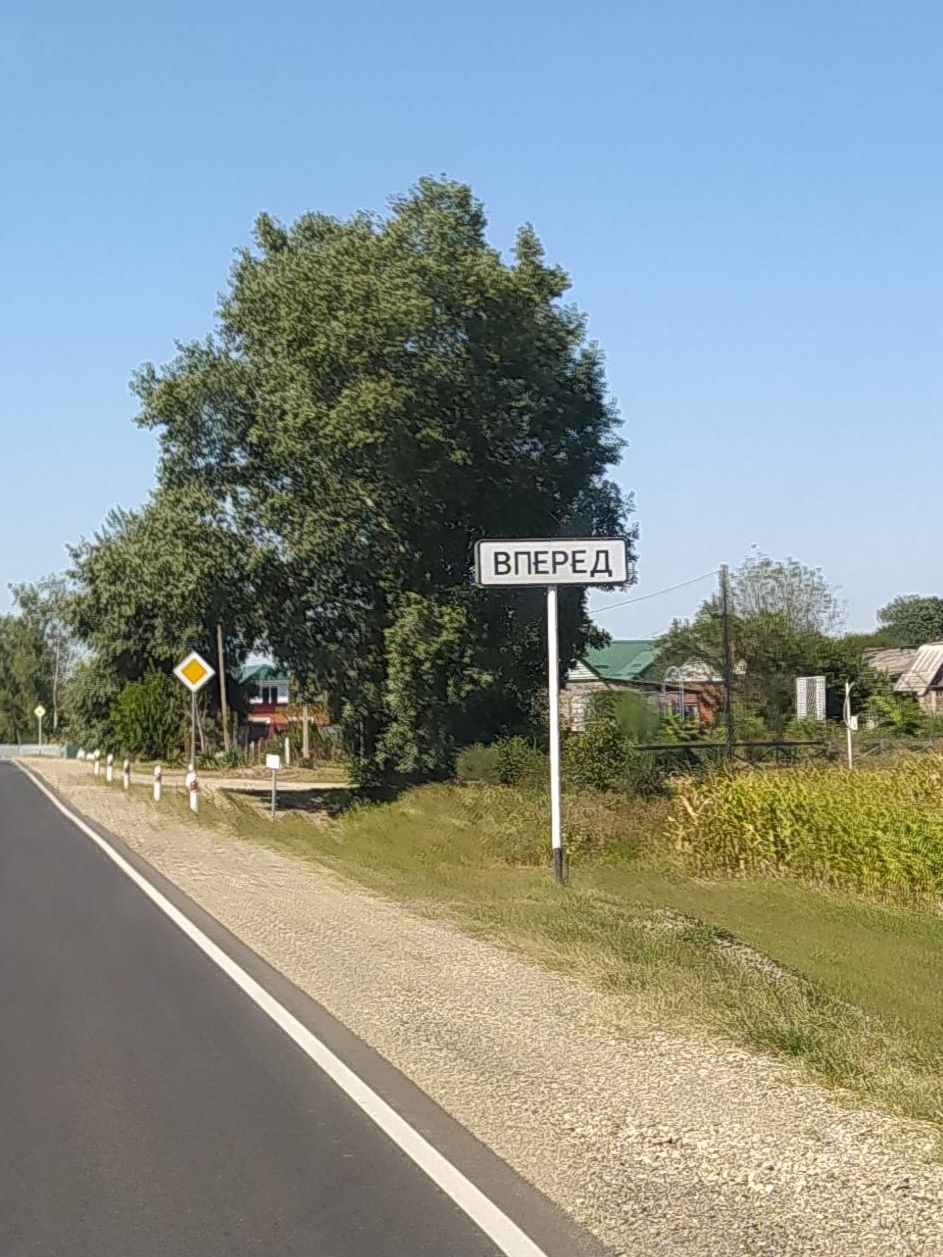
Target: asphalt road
[[148, 1106]]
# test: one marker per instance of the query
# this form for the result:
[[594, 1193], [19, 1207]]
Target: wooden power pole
[[223, 703], [728, 662]]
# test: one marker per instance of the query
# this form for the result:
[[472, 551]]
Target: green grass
[[326, 772], [853, 993]]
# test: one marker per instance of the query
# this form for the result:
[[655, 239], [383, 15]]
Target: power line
[[643, 597]]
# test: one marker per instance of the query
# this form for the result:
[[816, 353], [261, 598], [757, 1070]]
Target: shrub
[[148, 716], [632, 714], [518, 762], [646, 774], [477, 763], [596, 759]]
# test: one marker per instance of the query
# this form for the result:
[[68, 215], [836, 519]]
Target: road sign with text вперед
[[555, 561], [568, 561]]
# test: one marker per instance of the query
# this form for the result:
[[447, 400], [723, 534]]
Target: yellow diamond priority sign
[[194, 671]]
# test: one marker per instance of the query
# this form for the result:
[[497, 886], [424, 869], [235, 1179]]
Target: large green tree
[[380, 394], [911, 620], [780, 627], [26, 669], [153, 585], [45, 604]]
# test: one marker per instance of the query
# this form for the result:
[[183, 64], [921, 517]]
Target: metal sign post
[[553, 562], [851, 723], [194, 672], [553, 686], [274, 763], [39, 712]]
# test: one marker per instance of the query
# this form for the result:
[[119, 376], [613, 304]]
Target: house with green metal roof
[[268, 690], [622, 664]]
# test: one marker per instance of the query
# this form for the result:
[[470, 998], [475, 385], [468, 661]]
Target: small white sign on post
[[39, 711], [274, 763], [552, 562]]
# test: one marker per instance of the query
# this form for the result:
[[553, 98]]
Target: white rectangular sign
[[273, 762], [561, 561]]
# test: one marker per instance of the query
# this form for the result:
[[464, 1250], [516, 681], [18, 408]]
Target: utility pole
[[223, 704], [728, 663]]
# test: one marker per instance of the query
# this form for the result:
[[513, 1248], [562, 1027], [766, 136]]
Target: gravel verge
[[661, 1146]]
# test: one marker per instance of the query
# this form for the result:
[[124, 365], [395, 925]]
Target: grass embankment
[[848, 984]]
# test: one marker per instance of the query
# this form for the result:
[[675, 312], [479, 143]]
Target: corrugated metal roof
[[924, 672], [259, 673], [892, 662], [621, 660]]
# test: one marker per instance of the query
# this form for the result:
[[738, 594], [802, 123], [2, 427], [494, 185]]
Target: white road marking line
[[486, 1215]]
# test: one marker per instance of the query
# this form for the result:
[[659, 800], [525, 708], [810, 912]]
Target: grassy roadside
[[846, 986], [326, 772], [849, 987]]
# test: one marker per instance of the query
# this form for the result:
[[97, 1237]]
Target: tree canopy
[[154, 583], [911, 620], [26, 670], [380, 394], [799, 596], [44, 604], [779, 622]]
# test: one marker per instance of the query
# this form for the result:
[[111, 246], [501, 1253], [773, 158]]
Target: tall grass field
[[874, 831]]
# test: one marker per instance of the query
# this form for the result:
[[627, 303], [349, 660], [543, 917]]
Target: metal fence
[[9, 750], [708, 754]]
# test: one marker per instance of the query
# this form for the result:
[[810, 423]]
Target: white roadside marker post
[[110, 768], [96, 757], [549, 563], [193, 788], [126, 774], [158, 782]]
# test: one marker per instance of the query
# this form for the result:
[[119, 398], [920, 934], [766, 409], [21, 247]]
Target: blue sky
[[747, 196]]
